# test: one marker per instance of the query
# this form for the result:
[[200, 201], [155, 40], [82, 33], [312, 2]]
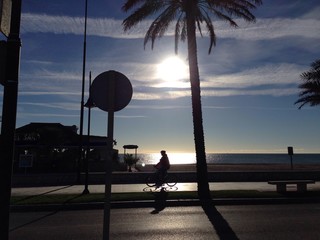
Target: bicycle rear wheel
[[171, 180], [151, 180]]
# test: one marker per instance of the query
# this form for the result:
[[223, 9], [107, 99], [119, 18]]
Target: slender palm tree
[[311, 86], [189, 16]]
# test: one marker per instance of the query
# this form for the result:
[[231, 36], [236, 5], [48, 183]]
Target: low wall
[[139, 177]]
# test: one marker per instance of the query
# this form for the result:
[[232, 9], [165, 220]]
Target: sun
[[172, 69]]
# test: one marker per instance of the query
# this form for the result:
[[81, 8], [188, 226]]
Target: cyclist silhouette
[[162, 167]]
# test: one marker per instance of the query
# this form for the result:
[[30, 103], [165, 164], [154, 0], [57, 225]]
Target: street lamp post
[[80, 158], [89, 104]]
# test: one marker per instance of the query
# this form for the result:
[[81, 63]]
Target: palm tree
[[311, 86], [189, 15]]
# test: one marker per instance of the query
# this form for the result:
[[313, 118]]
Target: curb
[[151, 204]]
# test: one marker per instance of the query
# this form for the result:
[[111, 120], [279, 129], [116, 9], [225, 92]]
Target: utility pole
[[89, 104], [9, 113], [80, 157]]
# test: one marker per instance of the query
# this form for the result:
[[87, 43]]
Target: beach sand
[[239, 167]]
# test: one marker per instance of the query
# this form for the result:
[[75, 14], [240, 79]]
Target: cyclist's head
[[163, 152]]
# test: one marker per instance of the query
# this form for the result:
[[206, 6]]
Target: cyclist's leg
[[160, 177]]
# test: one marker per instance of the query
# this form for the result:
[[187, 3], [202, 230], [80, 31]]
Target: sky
[[249, 83]]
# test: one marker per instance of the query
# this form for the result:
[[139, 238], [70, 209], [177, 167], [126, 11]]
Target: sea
[[228, 158]]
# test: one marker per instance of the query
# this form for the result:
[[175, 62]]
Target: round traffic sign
[[111, 91]]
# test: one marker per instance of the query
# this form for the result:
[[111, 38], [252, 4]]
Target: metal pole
[[82, 91], [108, 180], [9, 114], [86, 190], [290, 152]]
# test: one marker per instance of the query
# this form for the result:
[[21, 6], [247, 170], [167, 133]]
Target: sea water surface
[[227, 158]]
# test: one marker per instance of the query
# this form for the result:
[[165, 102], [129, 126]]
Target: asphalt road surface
[[292, 221]]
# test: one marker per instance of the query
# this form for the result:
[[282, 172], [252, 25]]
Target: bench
[[282, 184]]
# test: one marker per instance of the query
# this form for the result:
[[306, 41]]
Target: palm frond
[[211, 31], [147, 9], [130, 4], [160, 25], [183, 34], [310, 88], [238, 8], [316, 65], [179, 33], [224, 17], [312, 100], [171, 10]]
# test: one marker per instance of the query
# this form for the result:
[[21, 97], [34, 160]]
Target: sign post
[[290, 153], [111, 91]]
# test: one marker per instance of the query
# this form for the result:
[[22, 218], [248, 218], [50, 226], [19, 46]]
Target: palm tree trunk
[[202, 174]]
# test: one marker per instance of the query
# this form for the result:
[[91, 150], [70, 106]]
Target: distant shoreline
[[187, 158], [238, 167]]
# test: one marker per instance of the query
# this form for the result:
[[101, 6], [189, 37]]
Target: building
[[53, 147]]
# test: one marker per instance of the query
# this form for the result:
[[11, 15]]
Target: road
[[245, 222]]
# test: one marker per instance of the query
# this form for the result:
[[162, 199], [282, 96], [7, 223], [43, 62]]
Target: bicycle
[[169, 183]]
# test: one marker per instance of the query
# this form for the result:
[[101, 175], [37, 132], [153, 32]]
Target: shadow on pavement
[[220, 225], [160, 201], [45, 216], [34, 196], [33, 221]]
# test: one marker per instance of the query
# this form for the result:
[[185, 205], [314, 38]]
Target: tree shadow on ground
[[45, 215], [220, 225], [160, 201], [42, 194]]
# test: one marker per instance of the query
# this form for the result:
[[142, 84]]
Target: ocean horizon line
[[181, 152], [225, 158]]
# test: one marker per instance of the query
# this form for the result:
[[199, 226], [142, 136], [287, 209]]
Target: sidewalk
[[122, 188], [262, 187]]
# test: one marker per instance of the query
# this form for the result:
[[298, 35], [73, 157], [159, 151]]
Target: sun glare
[[172, 69]]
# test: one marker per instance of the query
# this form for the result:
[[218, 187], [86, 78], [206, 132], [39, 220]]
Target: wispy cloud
[[51, 24], [39, 93], [243, 81], [247, 92], [276, 79], [157, 107], [56, 75], [268, 28], [313, 14], [272, 79], [268, 74], [45, 81], [57, 105], [28, 115], [106, 27], [130, 116]]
